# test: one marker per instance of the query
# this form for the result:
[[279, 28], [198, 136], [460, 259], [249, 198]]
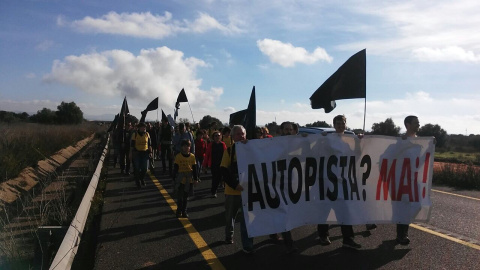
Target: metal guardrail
[[68, 249]]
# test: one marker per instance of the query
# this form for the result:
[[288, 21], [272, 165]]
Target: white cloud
[[156, 72], [415, 28], [148, 25], [44, 45], [451, 53], [286, 55]]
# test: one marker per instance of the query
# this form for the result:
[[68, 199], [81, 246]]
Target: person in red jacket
[[200, 149], [213, 158]]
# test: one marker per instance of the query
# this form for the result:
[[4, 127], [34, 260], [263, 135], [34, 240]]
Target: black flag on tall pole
[[247, 118], [349, 81], [182, 97], [251, 117], [124, 110], [153, 105]]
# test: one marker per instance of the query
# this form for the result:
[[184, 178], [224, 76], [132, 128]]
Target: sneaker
[[229, 241], [178, 214], [403, 240], [371, 227], [325, 240], [350, 243], [143, 183], [184, 214], [248, 251], [214, 196]]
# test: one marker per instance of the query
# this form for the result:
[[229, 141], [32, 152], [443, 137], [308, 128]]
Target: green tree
[[44, 116], [436, 131], [386, 128], [318, 124], [69, 113], [206, 121], [272, 128]]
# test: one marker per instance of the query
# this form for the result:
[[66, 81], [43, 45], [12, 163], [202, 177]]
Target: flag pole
[[191, 111], [364, 114]]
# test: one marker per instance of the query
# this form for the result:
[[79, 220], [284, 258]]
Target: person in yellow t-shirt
[[233, 189], [184, 176], [141, 150]]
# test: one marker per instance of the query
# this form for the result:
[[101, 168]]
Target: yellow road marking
[[465, 243], [453, 194], [205, 250]]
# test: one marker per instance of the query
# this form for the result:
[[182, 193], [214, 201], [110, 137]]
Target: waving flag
[[248, 117], [349, 81], [153, 105], [182, 97]]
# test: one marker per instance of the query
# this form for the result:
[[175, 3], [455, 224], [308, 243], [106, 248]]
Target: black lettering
[[257, 196], [282, 167], [321, 180], [310, 175], [352, 176], [332, 195], [273, 202], [295, 164], [343, 164]]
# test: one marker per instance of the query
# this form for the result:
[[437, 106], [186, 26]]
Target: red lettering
[[385, 179], [405, 188]]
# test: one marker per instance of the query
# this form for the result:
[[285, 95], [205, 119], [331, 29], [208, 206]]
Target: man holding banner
[[339, 123], [233, 189]]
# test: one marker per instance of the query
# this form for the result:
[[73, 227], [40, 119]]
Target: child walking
[[184, 176]]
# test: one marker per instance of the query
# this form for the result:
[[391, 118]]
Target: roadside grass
[[24, 144], [457, 157]]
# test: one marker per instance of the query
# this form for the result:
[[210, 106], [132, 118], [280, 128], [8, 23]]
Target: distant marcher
[[166, 137], [213, 158], [200, 148]]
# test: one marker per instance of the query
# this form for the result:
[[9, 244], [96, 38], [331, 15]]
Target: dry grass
[[24, 144]]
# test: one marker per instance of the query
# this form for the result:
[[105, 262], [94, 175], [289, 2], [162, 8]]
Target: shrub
[[466, 177]]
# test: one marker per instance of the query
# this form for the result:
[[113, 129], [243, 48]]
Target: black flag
[[247, 118], [182, 97], [164, 117], [124, 111], [153, 105], [238, 118], [251, 117], [349, 81], [113, 125]]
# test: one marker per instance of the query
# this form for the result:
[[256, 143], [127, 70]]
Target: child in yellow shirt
[[184, 175]]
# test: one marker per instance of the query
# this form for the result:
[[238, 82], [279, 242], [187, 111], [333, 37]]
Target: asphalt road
[[139, 230]]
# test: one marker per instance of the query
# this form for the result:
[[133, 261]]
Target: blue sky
[[423, 58]]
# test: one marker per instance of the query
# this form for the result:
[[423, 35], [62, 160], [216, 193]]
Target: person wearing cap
[[141, 150]]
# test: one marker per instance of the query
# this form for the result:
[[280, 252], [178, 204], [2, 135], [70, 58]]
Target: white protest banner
[[291, 181]]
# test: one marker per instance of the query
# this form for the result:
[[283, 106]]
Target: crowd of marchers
[[187, 151]]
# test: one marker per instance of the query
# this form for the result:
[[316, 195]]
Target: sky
[[423, 58]]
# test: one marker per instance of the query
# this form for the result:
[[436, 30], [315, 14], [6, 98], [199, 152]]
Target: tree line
[[66, 113]]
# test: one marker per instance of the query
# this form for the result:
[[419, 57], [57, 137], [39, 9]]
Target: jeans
[[233, 206], [140, 160]]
